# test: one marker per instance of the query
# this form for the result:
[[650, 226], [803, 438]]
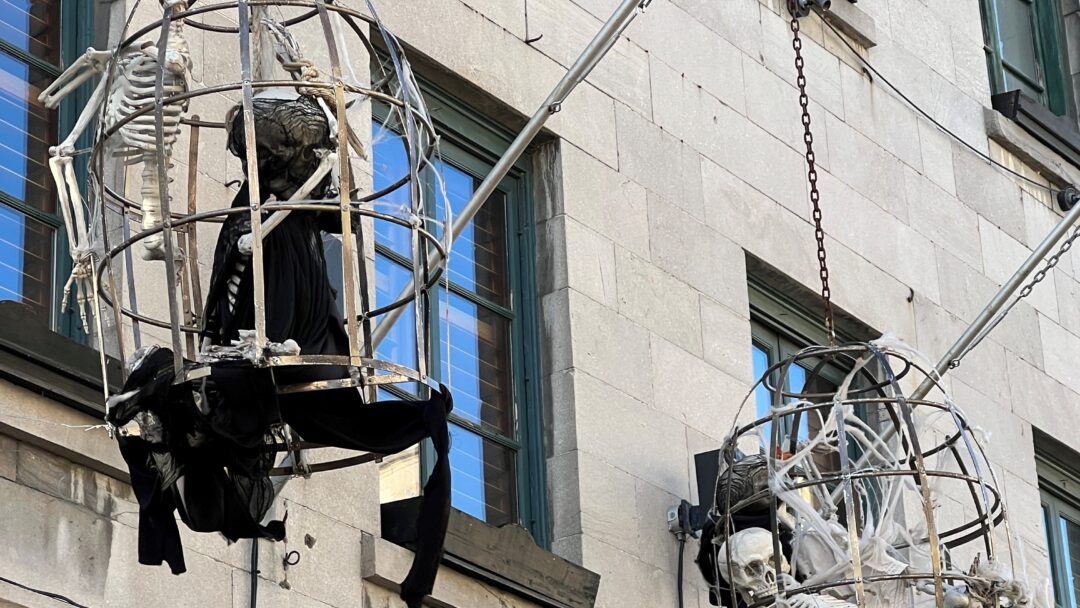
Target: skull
[[752, 564]]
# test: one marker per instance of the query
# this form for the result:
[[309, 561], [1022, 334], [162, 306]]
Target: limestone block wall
[[680, 156]]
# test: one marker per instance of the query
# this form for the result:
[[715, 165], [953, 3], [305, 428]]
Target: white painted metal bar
[[590, 57], [1000, 300]]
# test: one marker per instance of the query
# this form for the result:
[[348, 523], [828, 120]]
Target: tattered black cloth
[[203, 453]]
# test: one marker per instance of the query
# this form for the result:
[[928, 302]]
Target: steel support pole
[[590, 57], [1000, 300], [987, 315]]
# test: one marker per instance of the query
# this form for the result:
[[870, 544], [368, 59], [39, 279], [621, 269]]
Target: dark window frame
[[1050, 52], [466, 130], [76, 34], [1058, 502]]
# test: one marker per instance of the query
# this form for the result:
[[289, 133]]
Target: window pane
[[389, 165], [478, 255], [1013, 82], [478, 369], [796, 380], [399, 345], [1070, 557], [1017, 26], [483, 477], [31, 26], [26, 130], [26, 261]]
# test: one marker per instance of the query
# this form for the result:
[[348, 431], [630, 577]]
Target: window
[[781, 328], [1025, 50], [1061, 517], [32, 242], [486, 302]]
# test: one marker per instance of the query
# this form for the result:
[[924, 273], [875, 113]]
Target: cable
[[254, 572], [48, 594], [678, 579], [927, 115]]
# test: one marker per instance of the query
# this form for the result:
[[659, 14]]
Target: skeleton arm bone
[[325, 166], [67, 146], [74, 76]]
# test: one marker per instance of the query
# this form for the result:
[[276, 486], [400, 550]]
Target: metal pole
[[593, 53], [987, 315], [1000, 300]]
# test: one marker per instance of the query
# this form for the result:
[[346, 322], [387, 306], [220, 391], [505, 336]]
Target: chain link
[[812, 177], [1025, 291]]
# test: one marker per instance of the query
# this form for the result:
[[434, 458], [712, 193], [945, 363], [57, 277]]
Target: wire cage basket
[[846, 489], [302, 93]]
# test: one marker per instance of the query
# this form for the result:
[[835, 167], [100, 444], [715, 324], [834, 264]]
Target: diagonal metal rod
[[590, 57], [999, 301], [987, 315]]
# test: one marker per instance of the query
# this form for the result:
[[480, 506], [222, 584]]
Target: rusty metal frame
[[882, 390]]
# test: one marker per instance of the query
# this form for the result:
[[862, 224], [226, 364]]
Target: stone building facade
[[670, 243]]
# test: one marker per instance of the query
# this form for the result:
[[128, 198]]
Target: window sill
[[1047, 142], [37, 358], [505, 557]]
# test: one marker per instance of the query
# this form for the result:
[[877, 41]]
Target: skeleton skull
[[752, 564]]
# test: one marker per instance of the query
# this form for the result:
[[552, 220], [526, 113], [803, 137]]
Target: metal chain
[[1025, 291], [812, 177]]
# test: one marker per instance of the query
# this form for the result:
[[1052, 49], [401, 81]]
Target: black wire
[[927, 115], [254, 572], [48, 594], [679, 578]]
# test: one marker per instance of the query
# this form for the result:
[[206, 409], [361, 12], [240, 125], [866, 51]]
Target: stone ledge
[[852, 21], [384, 564], [503, 557], [1039, 156]]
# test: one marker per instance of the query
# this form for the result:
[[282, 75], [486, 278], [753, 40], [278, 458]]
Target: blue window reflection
[[763, 399], [472, 350], [11, 254]]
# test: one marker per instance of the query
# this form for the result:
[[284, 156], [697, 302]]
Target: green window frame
[[1061, 521], [469, 147], [76, 28], [1028, 56]]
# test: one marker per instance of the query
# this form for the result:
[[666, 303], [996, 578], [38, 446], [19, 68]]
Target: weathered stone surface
[[1061, 351], [631, 435], [610, 347], [658, 301], [659, 161], [602, 199], [41, 536], [9, 454]]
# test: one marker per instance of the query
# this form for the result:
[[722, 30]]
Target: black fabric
[[300, 302], [388, 427], [221, 457]]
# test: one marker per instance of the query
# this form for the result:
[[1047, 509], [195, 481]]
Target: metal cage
[[846, 491], [119, 322]]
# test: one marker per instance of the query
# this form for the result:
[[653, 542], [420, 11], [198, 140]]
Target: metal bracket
[[1068, 198], [802, 8]]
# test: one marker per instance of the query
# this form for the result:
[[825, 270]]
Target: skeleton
[[989, 585], [753, 564], [753, 569], [133, 90]]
